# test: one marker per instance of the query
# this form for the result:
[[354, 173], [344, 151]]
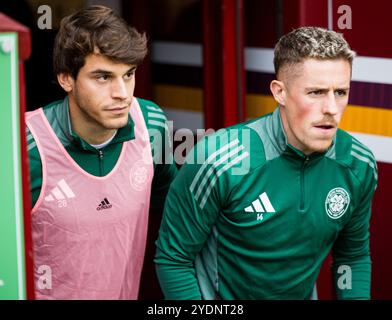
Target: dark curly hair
[[96, 29]]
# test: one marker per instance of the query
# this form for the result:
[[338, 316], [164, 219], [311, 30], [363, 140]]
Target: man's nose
[[119, 89], [330, 105]]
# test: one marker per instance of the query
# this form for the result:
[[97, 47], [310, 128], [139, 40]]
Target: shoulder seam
[[219, 162], [369, 162], [360, 152], [30, 141], [357, 151]]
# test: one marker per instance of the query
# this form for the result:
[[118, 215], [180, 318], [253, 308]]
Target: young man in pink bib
[[95, 159]]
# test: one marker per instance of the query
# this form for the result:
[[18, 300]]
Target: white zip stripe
[[28, 134], [157, 123], [209, 159], [156, 115], [367, 160], [266, 202], [154, 109], [364, 151], [31, 146], [29, 137], [258, 206], [233, 152], [364, 154], [219, 173], [66, 189], [360, 144]]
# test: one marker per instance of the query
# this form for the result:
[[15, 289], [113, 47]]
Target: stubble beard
[[100, 122]]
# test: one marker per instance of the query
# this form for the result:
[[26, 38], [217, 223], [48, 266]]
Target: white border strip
[[381, 146], [9, 42], [330, 15], [259, 60], [177, 53], [375, 70], [17, 177], [366, 69]]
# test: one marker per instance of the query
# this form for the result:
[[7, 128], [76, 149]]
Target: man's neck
[[104, 144], [94, 137]]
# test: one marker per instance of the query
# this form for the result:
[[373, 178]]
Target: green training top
[[101, 162], [251, 217]]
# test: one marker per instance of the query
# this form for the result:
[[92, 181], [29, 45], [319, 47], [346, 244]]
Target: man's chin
[[116, 124], [321, 147]]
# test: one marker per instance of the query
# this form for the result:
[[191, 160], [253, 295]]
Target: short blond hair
[[310, 42]]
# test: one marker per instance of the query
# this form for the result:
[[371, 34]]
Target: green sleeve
[[351, 254], [186, 225], [165, 168], [35, 167]]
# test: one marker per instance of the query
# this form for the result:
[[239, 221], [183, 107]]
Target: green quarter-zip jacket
[[99, 162], [251, 217]]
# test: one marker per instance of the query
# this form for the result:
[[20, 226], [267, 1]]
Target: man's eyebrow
[[106, 72], [131, 69], [100, 72], [316, 89], [324, 88]]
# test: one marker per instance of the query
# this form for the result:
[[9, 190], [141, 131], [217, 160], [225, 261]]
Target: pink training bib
[[89, 233]]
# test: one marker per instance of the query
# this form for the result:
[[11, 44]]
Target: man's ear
[[278, 91], [66, 81]]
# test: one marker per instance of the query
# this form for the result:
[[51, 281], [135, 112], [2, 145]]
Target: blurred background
[[209, 66]]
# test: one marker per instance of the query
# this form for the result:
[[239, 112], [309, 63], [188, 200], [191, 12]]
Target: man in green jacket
[[258, 206], [95, 159]]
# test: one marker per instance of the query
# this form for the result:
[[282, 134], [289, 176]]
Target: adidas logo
[[260, 205], [61, 192], [105, 204]]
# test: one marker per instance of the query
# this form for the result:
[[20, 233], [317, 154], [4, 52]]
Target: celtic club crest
[[337, 202], [139, 175]]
